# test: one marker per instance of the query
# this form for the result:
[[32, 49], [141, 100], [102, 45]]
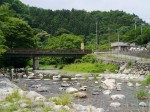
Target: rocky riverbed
[[109, 92]]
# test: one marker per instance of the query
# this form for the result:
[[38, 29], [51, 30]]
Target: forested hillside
[[80, 22]]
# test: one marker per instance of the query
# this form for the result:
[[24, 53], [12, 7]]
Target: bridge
[[36, 53]]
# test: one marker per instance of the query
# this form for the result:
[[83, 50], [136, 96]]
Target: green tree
[[18, 34], [65, 41]]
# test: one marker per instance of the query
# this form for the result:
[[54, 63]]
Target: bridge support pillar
[[35, 63]]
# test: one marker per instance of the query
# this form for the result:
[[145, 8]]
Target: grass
[[90, 67], [47, 66], [146, 81], [13, 97], [64, 99], [141, 94]]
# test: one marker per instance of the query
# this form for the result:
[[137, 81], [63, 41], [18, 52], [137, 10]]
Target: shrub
[[64, 99], [146, 80], [14, 96], [89, 58], [90, 68], [141, 94]]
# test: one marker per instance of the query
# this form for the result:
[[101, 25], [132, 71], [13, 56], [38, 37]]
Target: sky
[[138, 7]]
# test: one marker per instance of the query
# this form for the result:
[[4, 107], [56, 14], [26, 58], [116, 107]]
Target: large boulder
[[80, 95], [32, 95], [109, 84], [71, 90], [115, 104], [42, 89], [117, 97]]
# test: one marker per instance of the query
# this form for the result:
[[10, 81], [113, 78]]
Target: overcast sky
[[138, 7]]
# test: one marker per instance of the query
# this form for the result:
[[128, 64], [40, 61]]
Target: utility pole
[[109, 38], [135, 21], [96, 33], [142, 25], [118, 40]]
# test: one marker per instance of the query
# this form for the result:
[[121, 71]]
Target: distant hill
[[79, 22]]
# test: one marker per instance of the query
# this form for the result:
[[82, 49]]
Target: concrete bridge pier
[[35, 63]]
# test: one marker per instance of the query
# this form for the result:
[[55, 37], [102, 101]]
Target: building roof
[[123, 44]]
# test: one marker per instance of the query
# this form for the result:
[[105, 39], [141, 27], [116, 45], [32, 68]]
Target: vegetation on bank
[[15, 102], [90, 67], [146, 81]]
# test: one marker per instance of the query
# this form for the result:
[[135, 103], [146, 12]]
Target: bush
[[147, 80], [89, 58], [141, 94], [90, 67], [64, 99]]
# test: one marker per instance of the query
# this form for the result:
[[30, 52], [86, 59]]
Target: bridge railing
[[46, 51]]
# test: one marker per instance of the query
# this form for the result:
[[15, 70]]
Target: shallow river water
[[129, 104]]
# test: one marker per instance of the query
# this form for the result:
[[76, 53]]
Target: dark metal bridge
[[36, 53], [45, 52]]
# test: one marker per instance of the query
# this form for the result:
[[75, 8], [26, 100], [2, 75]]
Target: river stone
[[117, 96], [31, 77], [24, 105], [107, 92], [130, 84], [115, 104], [65, 84], [36, 86], [82, 88], [65, 79], [57, 107], [40, 76], [24, 76], [137, 84], [109, 84], [95, 93], [71, 90], [32, 95], [143, 104], [80, 95], [42, 89], [78, 75]]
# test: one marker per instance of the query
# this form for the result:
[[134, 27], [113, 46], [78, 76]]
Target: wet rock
[[42, 89], [65, 84], [71, 90], [137, 84], [96, 82], [107, 92], [109, 84], [24, 105], [130, 84], [115, 104], [38, 109], [56, 78], [36, 86], [95, 93], [40, 76], [57, 107], [117, 97], [24, 76], [32, 95], [80, 95], [31, 77], [143, 104], [78, 75], [65, 79], [118, 87], [83, 88]]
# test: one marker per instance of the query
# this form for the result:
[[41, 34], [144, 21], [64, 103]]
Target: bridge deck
[[44, 52]]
